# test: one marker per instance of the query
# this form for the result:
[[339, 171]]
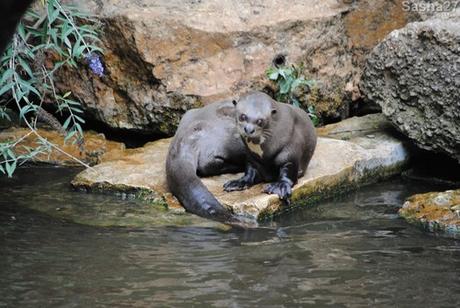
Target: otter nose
[[249, 129]]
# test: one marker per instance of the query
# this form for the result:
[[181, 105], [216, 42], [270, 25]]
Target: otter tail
[[184, 183]]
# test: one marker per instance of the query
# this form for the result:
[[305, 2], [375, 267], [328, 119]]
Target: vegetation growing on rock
[[435, 212], [52, 35], [289, 80]]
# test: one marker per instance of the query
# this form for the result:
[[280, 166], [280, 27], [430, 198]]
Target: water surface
[[350, 251]]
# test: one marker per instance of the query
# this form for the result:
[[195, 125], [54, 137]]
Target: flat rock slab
[[437, 212], [96, 148], [336, 166]]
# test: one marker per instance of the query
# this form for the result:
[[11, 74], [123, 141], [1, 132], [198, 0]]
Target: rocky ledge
[[96, 148], [437, 212], [371, 153]]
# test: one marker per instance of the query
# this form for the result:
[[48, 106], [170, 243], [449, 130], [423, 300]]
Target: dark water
[[350, 252]]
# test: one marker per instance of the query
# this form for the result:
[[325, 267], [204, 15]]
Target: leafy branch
[[49, 37]]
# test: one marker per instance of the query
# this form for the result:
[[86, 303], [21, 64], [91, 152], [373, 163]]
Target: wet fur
[[289, 142], [206, 143]]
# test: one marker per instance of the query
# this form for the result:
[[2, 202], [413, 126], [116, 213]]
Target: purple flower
[[95, 64]]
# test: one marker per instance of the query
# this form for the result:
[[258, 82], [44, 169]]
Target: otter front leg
[[251, 177], [287, 178]]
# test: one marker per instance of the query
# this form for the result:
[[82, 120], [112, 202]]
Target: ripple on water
[[348, 251]]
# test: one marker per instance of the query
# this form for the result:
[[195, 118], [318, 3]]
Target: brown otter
[[206, 143], [280, 140]]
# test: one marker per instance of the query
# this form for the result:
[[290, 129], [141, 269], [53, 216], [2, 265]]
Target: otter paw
[[234, 185], [282, 189]]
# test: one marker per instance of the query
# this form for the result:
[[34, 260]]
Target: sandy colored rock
[[437, 212], [356, 127], [165, 57], [96, 148], [336, 166]]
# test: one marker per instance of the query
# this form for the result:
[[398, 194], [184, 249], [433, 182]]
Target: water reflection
[[351, 251]]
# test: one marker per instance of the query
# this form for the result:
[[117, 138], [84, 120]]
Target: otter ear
[[274, 111], [234, 102]]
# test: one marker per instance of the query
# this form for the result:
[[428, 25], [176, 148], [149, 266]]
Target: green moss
[[124, 191], [330, 187]]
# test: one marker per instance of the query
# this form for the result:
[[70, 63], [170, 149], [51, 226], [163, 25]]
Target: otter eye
[[260, 122], [243, 117]]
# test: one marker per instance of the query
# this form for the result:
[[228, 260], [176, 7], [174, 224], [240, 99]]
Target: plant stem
[[32, 129]]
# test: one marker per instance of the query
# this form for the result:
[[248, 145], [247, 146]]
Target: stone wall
[[164, 57]]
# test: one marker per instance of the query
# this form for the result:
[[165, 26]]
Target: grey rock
[[414, 76]]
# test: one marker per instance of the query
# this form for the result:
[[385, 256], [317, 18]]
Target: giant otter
[[206, 143], [272, 140], [280, 140]]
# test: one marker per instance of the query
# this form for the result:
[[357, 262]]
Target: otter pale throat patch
[[256, 147]]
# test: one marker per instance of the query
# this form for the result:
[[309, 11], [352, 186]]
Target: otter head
[[254, 112]]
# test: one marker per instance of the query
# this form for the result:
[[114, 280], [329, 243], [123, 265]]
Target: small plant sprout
[[288, 79]]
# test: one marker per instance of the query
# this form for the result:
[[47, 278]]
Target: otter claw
[[235, 185], [282, 189]]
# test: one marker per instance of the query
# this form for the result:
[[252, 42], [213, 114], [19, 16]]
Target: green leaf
[[2, 170], [66, 29], [77, 110], [80, 131], [53, 12], [88, 29], [10, 168], [285, 86], [25, 66], [297, 82], [96, 49], [66, 123], [53, 34], [10, 153], [8, 53], [6, 88], [29, 87], [72, 102], [77, 49], [19, 95], [25, 110], [69, 136], [282, 72], [21, 31], [35, 33], [79, 119], [72, 62], [314, 119], [41, 46], [272, 73], [3, 114]]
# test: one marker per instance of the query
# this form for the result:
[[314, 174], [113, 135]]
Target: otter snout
[[249, 129]]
